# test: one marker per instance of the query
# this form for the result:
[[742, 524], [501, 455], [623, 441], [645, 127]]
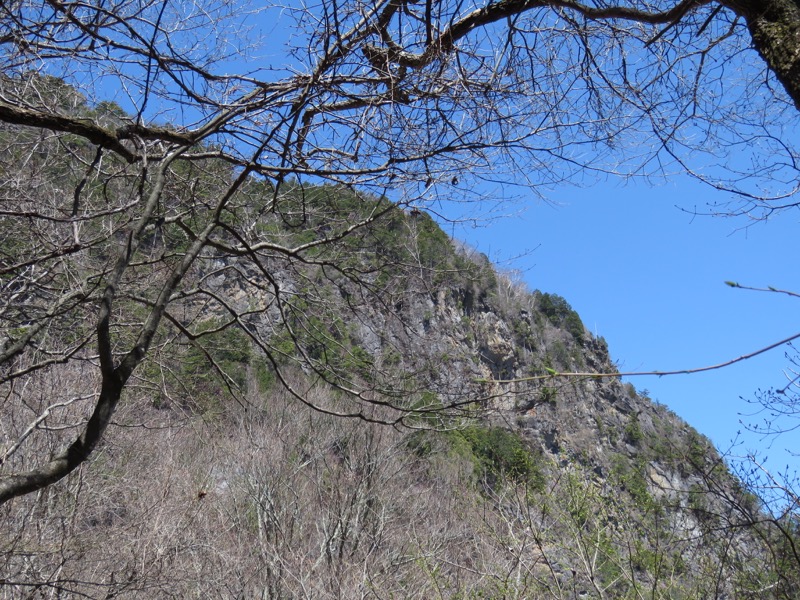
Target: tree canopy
[[213, 184]]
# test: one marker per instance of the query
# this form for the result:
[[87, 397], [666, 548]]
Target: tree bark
[[775, 28], [77, 452]]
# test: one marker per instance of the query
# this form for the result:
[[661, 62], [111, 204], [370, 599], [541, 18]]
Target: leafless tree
[[122, 231]]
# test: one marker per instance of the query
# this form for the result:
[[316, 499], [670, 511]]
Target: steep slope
[[470, 466], [559, 460]]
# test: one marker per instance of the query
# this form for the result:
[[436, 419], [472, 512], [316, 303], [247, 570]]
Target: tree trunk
[[775, 27], [71, 458]]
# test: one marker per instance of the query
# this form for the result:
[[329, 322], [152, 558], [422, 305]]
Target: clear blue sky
[[649, 278]]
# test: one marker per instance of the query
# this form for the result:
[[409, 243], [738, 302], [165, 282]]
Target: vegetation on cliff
[[239, 358], [490, 484]]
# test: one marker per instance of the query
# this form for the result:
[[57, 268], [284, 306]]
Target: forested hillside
[[240, 358], [329, 409]]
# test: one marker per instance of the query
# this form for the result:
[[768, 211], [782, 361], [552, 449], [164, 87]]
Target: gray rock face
[[480, 337]]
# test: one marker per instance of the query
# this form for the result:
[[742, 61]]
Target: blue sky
[[649, 277]]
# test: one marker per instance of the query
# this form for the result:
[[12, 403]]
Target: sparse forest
[[239, 358]]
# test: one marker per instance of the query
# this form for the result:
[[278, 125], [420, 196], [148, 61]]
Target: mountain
[[342, 402]]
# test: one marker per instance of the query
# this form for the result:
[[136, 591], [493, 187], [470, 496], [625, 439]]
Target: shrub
[[633, 431], [501, 454], [560, 313]]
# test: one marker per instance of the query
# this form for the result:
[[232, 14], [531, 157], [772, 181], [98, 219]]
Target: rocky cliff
[[485, 364], [340, 412]]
